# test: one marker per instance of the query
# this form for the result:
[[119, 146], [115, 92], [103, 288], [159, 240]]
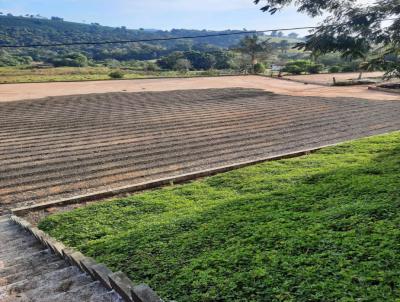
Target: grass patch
[[322, 227], [9, 75]]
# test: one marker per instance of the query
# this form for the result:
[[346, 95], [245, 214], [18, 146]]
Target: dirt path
[[13, 92]]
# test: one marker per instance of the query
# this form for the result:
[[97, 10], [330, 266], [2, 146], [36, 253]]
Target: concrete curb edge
[[160, 182]]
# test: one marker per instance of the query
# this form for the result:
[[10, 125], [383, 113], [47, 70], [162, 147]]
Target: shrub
[[259, 68], [351, 66], [168, 62], [72, 60], [315, 68], [348, 68], [300, 66], [292, 69], [112, 63], [150, 66], [334, 69], [296, 67], [118, 74], [200, 60], [182, 65], [14, 60]]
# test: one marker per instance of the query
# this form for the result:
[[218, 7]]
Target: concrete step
[[25, 242], [50, 287], [35, 271], [17, 242], [79, 294], [29, 272], [20, 259], [107, 297], [27, 264], [22, 251], [35, 282], [9, 235]]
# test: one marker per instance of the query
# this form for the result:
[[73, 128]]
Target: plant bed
[[322, 227]]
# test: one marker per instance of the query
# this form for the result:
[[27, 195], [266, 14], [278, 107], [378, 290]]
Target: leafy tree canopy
[[350, 25], [254, 47]]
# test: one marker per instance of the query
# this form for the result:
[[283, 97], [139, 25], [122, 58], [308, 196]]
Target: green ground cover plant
[[322, 227]]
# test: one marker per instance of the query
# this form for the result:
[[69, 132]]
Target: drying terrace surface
[[14, 92], [61, 147]]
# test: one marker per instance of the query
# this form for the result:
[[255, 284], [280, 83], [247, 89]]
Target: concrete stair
[[31, 273]]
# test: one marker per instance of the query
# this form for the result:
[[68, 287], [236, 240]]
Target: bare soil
[[60, 147], [13, 92]]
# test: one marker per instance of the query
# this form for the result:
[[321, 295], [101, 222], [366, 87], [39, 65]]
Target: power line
[[155, 39], [170, 38]]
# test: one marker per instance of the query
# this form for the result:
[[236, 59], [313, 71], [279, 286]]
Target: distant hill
[[34, 30], [19, 30]]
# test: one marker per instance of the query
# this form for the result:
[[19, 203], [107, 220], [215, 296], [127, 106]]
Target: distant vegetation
[[214, 55], [37, 30], [202, 54]]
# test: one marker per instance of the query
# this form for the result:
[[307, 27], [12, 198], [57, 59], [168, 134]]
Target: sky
[[162, 14]]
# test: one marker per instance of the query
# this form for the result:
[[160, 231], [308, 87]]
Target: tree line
[[31, 29]]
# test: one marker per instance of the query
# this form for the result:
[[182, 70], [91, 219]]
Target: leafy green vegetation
[[117, 74], [367, 30], [196, 60], [322, 227], [302, 66], [259, 68]]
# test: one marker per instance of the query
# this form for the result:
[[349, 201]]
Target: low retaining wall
[[118, 281], [156, 183]]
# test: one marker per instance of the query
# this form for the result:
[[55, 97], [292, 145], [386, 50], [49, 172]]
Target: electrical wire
[[155, 39]]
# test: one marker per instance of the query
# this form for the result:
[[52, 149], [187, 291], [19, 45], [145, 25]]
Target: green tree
[[200, 60], [357, 52], [254, 47], [7, 59], [71, 59], [284, 46], [349, 24], [168, 62], [223, 59]]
